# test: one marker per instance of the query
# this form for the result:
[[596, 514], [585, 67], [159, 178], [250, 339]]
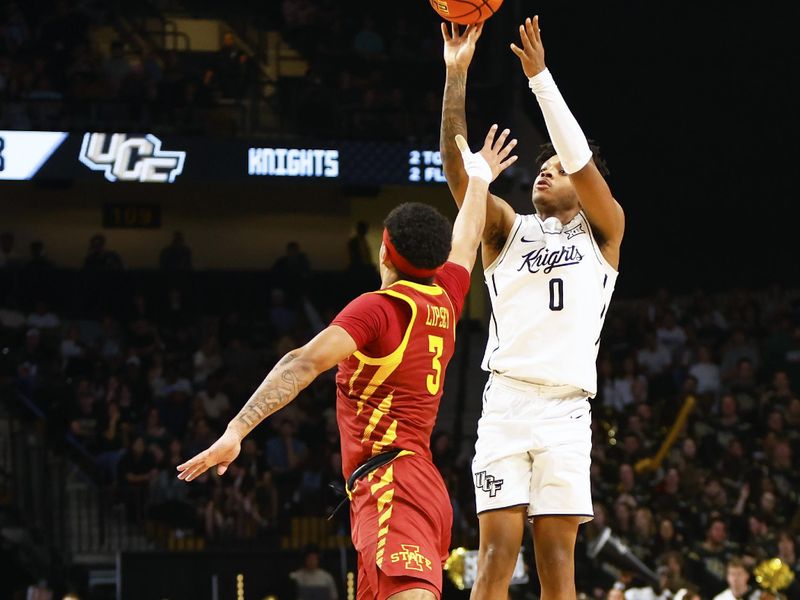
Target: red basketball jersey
[[390, 402]]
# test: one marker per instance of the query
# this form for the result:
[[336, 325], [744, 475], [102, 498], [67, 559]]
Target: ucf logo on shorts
[[488, 483], [413, 559]]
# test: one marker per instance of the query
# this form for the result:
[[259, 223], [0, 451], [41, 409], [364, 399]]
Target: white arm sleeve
[[566, 135]]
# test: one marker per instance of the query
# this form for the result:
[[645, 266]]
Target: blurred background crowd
[[70, 65]]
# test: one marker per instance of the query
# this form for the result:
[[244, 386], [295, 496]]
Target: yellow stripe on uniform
[[385, 516], [386, 479], [384, 509], [356, 373], [388, 438], [377, 414], [385, 499]]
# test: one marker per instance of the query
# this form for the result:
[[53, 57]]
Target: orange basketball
[[466, 12]]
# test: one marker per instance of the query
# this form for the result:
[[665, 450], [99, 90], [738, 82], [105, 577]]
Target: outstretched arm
[[481, 169], [459, 48], [458, 51], [603, 211], [293, 373]]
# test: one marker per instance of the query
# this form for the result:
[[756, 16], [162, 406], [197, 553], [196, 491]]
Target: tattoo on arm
[[281, 386], [454, 121]]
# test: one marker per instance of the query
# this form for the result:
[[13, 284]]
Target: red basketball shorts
[[401, 519]]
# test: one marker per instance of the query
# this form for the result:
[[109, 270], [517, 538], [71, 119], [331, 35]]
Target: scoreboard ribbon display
[[115, 158]]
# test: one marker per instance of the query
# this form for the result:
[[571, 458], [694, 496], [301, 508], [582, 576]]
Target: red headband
[[401, 263]]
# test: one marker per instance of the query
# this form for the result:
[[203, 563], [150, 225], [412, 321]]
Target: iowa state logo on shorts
[[413, 559], [488, 483]]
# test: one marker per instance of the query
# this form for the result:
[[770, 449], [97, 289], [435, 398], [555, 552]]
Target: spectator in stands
[[737, 576], [8, 256], [656, 361], [668, 541], [113, 432], [109, 342], [242, 362], [267, 499], [136, 470], [786, 551], [16, 31], [706, 371], [671, 334], [742, 384], [37, 274], [38, 260], [368, 43], [778, 394], [216, 403], [35, 363], [730, 425], [168, 500], [232, 71], [627, 387], [85, 79], [171, 85], [138, 91], [100, 258], [176, 316], [207, 360], [712, 555], [143, 339], [738, 346], [177, 256], [285, 453], [154, 432], [85, 421], [758, 541], [360, 262], [199, 437], [314, 582], [358, 250], [292, 271], [282, 317], [43, 318], [117, 67], [172, 396], [72, 349]]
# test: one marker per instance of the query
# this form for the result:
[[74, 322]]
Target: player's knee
[[557, 558], [497, 558]]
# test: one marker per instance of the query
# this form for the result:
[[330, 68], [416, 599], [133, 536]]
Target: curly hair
[[547, 150], [420, 233]]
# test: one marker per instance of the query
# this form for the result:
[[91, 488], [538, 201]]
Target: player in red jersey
[[392, 347]]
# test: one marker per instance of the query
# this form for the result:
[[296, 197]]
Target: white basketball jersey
[[550, 292]]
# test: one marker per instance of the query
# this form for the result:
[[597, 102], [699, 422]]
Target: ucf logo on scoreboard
[[131, 158]]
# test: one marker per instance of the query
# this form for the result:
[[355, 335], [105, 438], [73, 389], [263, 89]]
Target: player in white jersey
[[550, 277]]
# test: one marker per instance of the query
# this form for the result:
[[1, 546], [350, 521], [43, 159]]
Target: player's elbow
[[307, 364]]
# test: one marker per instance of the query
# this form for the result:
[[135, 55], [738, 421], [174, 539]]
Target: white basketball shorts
[[534, 449]]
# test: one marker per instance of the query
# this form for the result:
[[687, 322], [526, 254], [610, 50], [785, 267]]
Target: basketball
[[466, 12]]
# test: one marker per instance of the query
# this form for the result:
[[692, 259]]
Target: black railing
[[61, 508], [32, 483]]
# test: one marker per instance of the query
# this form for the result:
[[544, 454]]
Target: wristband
[[476, 166]]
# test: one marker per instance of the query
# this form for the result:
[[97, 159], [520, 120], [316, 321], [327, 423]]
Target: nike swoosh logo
[[522, 239]]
